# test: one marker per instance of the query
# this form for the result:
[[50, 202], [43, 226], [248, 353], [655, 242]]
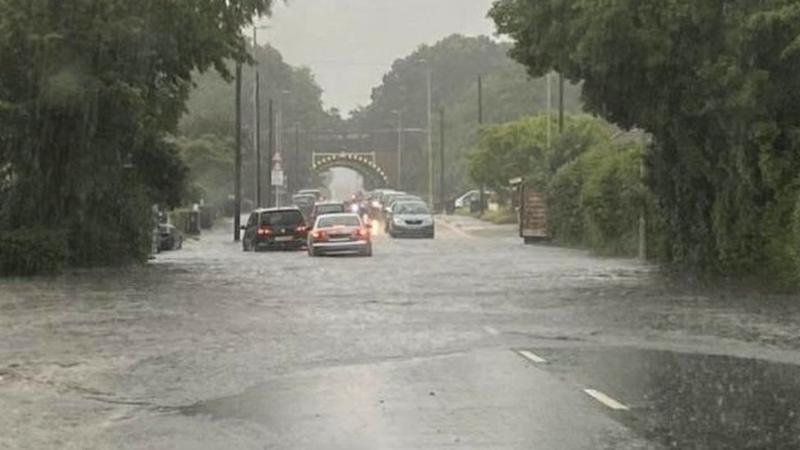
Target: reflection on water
[[691, 401]]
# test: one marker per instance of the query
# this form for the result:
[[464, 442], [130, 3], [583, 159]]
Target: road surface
[[470, 341]]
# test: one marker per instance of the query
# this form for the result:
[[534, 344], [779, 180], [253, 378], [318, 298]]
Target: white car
[[465, 200]]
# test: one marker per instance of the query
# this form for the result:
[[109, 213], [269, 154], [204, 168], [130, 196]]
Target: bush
[[115, 230], [564, 209], [26, 252], [612, 198], [596, 200]]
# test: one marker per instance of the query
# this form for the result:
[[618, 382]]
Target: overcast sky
[[350, 44]]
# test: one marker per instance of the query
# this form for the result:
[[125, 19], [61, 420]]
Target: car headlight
[[398, 221]]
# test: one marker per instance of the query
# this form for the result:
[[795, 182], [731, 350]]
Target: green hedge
[[595, 201], [28, 252]]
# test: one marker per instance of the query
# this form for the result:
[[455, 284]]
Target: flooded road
[[416, 347]]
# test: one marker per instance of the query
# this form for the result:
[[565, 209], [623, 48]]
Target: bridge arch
[[362, 163]]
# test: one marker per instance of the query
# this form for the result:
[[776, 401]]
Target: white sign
[[277, 178]]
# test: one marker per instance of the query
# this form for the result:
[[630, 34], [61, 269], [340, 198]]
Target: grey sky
[[350, 44]]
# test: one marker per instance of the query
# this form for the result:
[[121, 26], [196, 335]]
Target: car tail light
[[302, 228], [318, 235], [362, 233], [264, 232]]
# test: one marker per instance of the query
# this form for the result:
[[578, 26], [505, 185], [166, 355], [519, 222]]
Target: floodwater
[[212, 347]]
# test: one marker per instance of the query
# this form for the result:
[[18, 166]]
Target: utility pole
[[430, 139], [257, 138], [480, 99], [294, 182], [549, 108], [482, 197], [399, 149], [237, 195], [442, 191], [642, 210], [560, 103], [271, 151]]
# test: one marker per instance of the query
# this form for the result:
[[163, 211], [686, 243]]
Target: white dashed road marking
[[491, 330], [532, 356], [606, 400]]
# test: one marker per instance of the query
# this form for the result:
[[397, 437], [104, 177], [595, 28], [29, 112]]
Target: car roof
[[400, 202], [276, 209], [330, 202], [328, 216]]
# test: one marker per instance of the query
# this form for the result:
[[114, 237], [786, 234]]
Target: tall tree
[[88, 89], [715, 82]]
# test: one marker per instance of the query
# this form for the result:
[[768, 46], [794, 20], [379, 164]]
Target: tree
[[455, 63], [715, 82], [88, 91], [520, 148]]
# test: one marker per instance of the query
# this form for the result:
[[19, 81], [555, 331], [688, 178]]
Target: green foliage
[[715, 83], [115, 229], [31, 251], [520, 148], [210, 121], [455, 63], [210, 160], [612, 199], [89, 91], [565, 218]]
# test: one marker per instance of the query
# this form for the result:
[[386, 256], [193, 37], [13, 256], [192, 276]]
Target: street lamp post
[[399, 147], [257, 114], [237, 195], [430, 139]]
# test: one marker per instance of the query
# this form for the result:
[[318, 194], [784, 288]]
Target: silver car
[[411, 219]]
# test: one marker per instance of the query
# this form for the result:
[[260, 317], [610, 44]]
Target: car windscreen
[[411, 208], [281, 218], [330, 209], [303, 200], [340, 221]]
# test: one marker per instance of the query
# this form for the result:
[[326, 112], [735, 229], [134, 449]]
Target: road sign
[[277, 177]]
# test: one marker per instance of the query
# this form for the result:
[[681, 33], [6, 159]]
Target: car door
[[250, 228]]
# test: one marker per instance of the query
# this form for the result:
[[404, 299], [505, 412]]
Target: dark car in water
[[305, 203], [169, 238], [275, 229], [322, 208]]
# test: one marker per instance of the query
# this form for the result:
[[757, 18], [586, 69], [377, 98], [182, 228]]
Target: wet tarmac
[[210, 347], [691, 401]]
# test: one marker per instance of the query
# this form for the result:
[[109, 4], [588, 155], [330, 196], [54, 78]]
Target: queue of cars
[[402, 214], [329, 227]]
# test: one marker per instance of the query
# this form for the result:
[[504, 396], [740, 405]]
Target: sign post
[[277, 176]]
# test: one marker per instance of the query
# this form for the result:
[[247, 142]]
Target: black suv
[[275, 229]]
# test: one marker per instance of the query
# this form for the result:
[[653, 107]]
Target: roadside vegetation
[[716, 87], [90, 94], [590, 174]]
